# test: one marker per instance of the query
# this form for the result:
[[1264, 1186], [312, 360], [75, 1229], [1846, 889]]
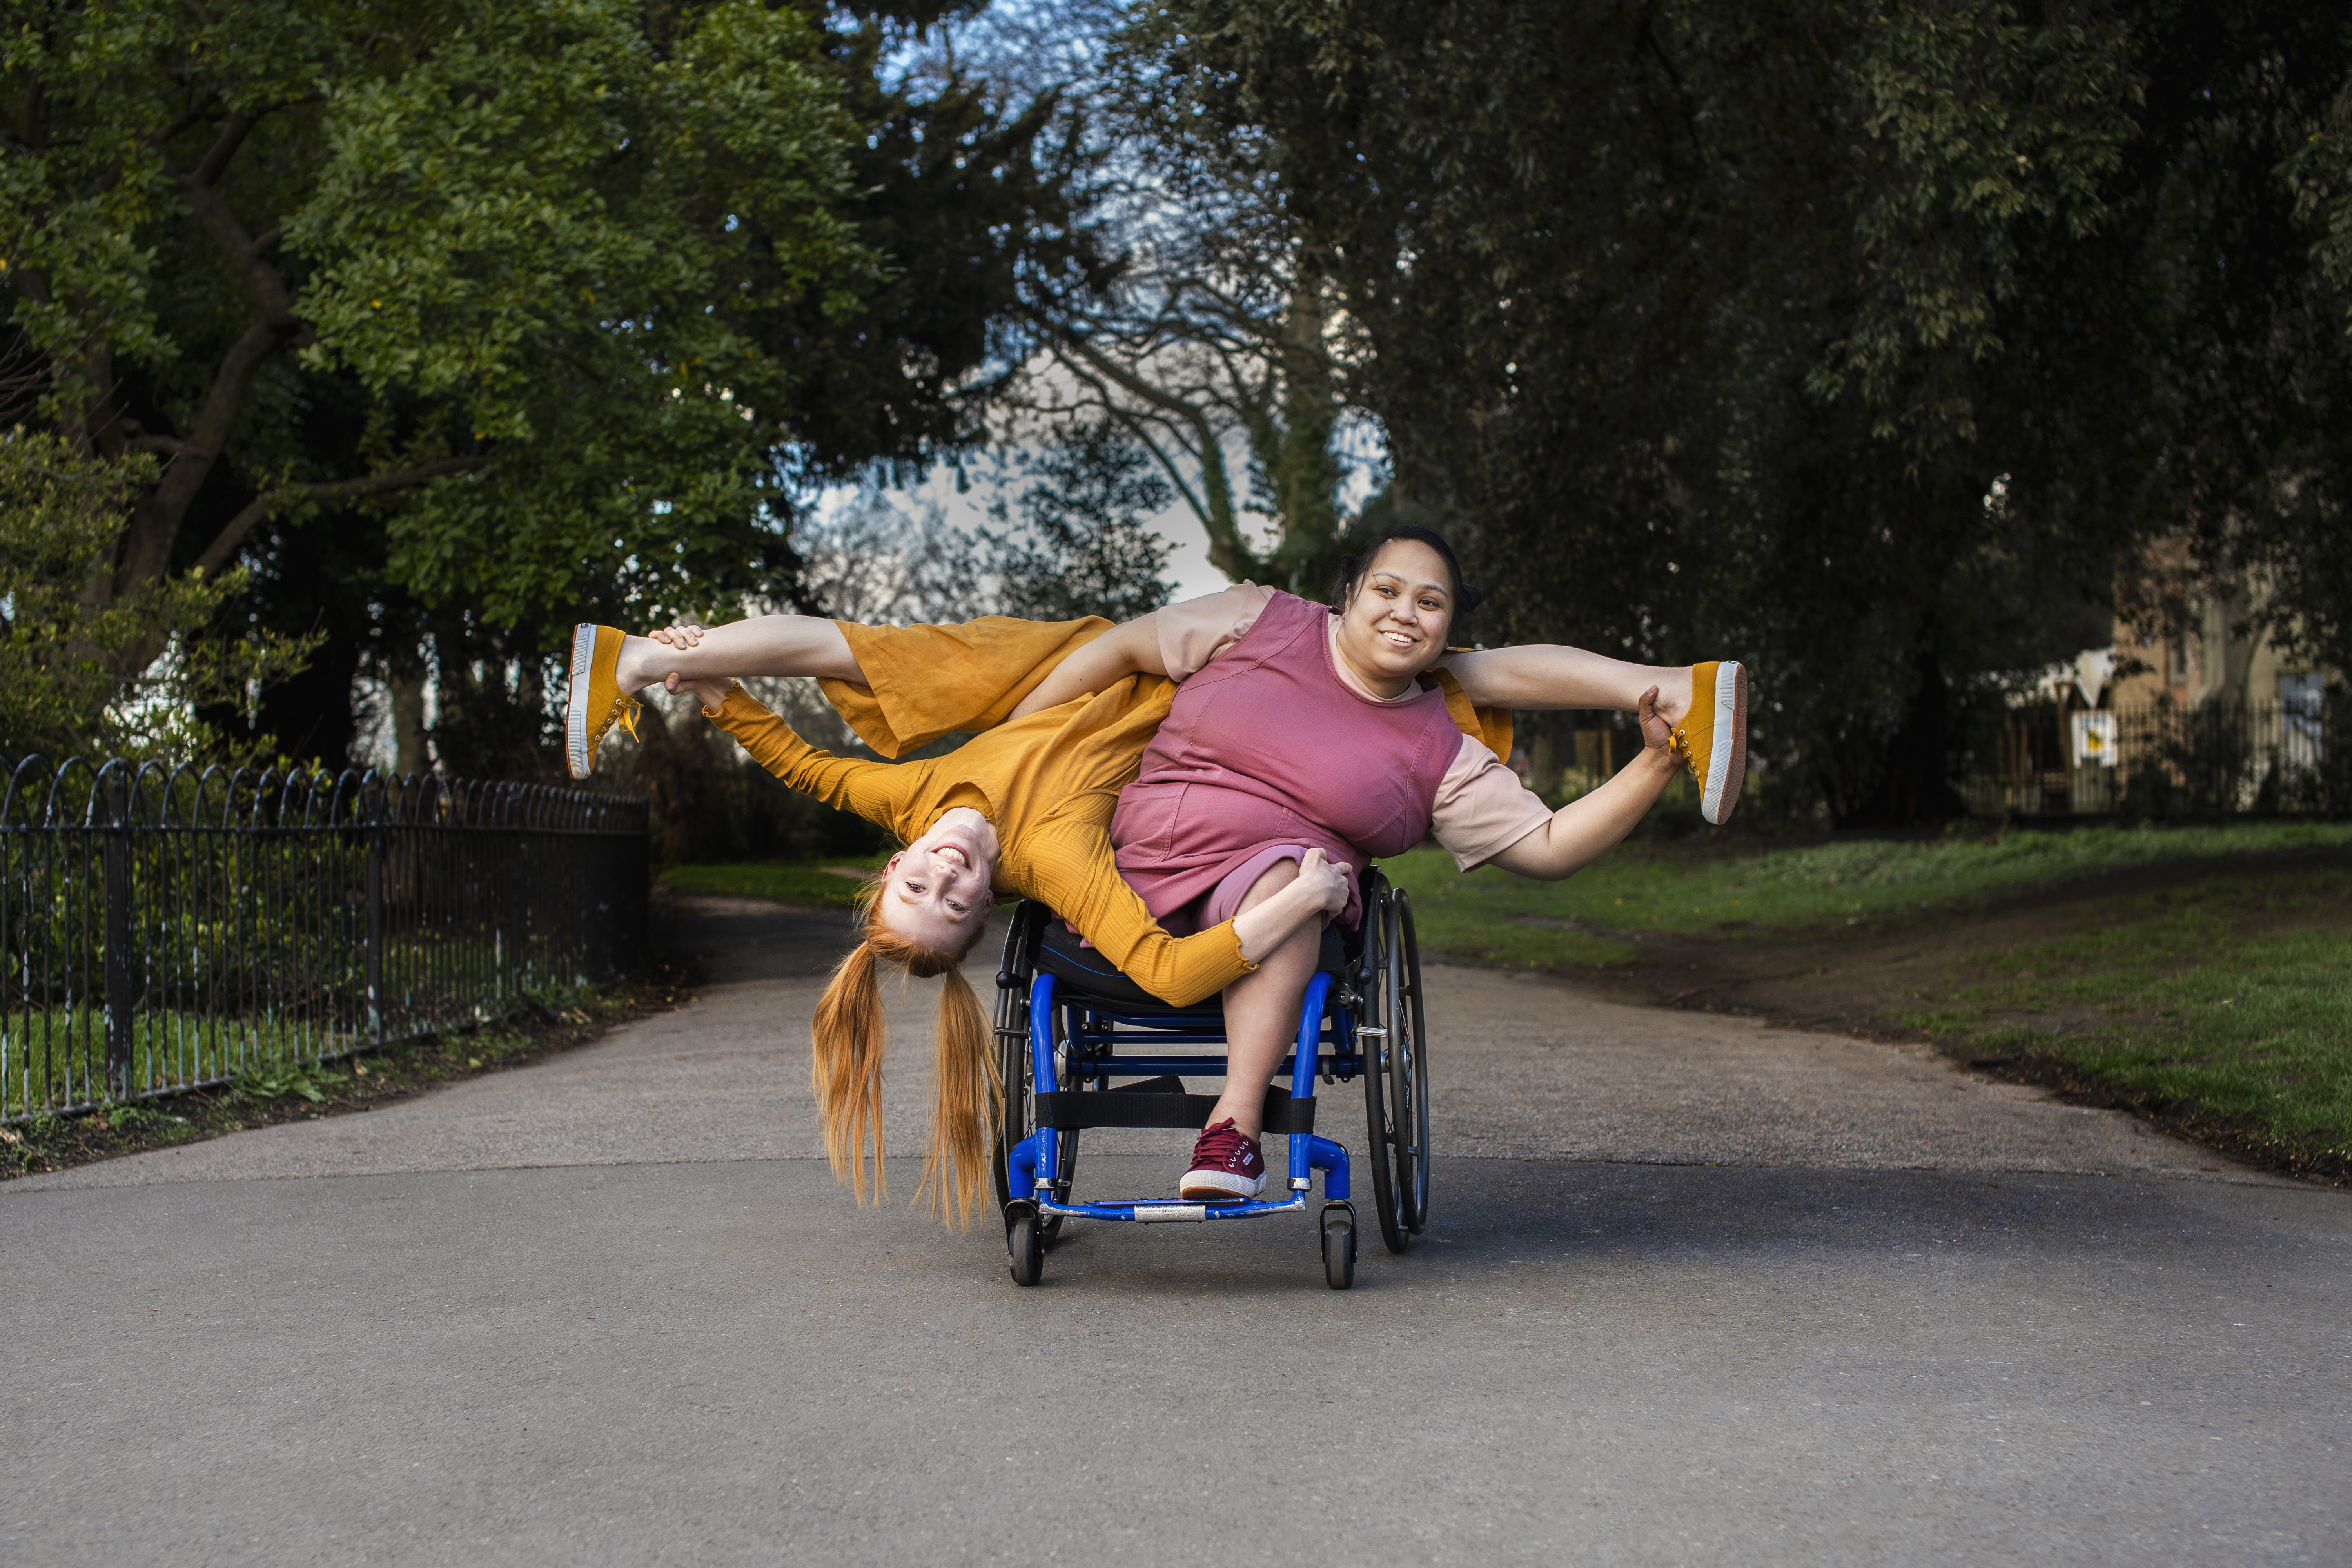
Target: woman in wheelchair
[[1293, 728], [1296, 742]]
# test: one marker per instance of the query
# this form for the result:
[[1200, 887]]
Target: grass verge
[[305, 1091], [2223, 1008], [66, 1049], [1709, 890], [2219, 1007], [819, 885]]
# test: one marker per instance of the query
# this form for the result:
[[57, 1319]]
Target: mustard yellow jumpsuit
[[1047, 783]]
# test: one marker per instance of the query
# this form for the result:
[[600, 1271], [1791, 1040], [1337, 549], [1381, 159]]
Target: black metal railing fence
[[165, 928], [2163, 760]]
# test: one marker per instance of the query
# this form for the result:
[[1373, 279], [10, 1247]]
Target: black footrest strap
[[1125, 1107]]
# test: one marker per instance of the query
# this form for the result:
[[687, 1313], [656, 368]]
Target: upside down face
[[935, 892]]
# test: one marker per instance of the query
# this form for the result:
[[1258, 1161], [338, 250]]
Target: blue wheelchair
[[1083, 1046]]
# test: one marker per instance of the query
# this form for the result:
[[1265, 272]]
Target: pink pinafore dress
[[1267, 748]]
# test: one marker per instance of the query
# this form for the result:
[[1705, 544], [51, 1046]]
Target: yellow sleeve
[[1069, 866], [881, 793]]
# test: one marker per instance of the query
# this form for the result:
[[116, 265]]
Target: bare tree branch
[[1127, 381], [225, 544], [243, 251], [156, 519], [1228, 552], [1136, 427], [187, 122], [1140, 425], [233, 132], [155, 522]]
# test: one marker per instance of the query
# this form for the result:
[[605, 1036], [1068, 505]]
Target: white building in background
[[2134, 705], [2208, 655]]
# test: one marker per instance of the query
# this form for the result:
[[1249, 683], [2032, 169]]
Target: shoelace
[[1218, 1150], [624, 713], [1679, 743]]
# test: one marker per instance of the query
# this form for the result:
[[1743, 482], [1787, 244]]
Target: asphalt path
[[1695, 1290]]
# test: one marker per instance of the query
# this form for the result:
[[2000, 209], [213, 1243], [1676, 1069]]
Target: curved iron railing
[[164, 928], [2222, 758]]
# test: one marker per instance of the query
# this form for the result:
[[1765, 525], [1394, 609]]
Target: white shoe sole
[[575, 704], [1728, 751], [1211, 1186]]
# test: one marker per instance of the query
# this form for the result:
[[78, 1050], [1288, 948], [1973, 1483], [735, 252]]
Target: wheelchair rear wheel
[[1396, 1070], [1018, 1113], [1013, 976], [1408, 1070], [1377, 1043]]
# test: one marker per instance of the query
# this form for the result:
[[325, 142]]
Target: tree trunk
[[1542, 730], [1915, 772], [406, 680], [1306, 477]]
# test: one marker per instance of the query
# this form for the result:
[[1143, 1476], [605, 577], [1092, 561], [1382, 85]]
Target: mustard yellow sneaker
[[1713, 737], [594, 702]]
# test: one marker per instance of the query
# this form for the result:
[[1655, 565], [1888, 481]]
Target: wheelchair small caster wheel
[[1339, 1246], [1025, 1240]]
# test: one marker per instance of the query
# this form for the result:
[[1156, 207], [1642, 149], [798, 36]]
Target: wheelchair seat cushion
[[1085, 969]]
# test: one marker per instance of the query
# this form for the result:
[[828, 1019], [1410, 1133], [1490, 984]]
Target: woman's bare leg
[[1261, 1010], [1532, 676], [765, 645]]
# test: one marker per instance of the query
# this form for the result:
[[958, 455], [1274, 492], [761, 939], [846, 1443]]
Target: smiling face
[[1395, 626], [935, 892]]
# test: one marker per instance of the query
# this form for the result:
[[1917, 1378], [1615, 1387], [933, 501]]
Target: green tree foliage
[[568, 241], [538, 236], [536, 309], [63, 686], [1862, 342]]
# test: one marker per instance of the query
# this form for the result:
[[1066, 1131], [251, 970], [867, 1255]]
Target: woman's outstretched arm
[[1527, 677], [1132, 648], [1587, 827], [881, 793]]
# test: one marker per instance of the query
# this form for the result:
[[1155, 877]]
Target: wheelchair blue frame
[[1064, 1015], [1090, 1031]]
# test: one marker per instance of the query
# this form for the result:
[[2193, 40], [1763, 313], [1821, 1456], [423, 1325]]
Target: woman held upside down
[[1293, 746]]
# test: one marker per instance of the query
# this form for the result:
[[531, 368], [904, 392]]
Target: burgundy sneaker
[[1225, 1165]]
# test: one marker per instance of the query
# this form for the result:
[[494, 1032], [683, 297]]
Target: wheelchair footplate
[[1160, 1101]]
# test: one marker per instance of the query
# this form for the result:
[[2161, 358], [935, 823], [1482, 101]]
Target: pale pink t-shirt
[[1482, 808]]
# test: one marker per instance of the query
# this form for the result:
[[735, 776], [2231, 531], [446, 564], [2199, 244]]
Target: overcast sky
[[1362, 460]]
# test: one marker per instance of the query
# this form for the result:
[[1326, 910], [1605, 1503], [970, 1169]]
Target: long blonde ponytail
[[845, 1069]]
